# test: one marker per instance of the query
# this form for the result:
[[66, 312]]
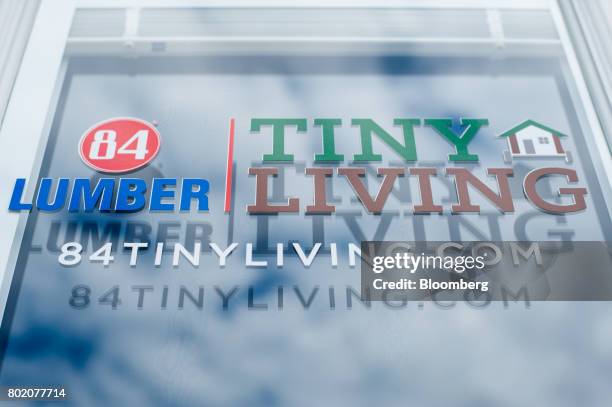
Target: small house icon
[[531, 139]]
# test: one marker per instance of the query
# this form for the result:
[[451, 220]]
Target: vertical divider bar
[[22, 137]]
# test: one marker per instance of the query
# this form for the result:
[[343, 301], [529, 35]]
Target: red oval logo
[[120, 144]]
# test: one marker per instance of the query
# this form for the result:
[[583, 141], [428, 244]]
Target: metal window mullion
[[22, 136], [600, 146], [584, 44], [16, 19], [598, 33], [354, 4]]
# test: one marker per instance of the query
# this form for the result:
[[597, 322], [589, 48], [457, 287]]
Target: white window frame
[[26, 125]]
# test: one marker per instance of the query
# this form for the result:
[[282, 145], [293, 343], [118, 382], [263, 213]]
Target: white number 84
[[108, 138]]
